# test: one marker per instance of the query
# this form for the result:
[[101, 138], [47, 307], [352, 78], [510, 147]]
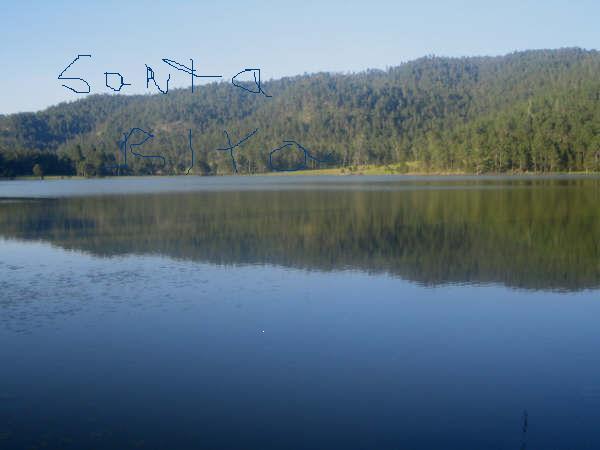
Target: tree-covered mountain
[[527, 111]]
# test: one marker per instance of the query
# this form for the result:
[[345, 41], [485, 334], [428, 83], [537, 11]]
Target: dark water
[[284, 313]]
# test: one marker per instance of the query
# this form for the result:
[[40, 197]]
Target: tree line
[[532, 111]]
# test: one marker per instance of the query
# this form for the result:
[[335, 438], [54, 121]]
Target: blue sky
[[39, 39]]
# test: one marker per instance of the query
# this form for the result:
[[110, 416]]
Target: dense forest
[[534, 111]]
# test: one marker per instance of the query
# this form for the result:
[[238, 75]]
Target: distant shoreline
[[346, 171]]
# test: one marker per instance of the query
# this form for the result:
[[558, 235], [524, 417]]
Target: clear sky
[[38, 39]]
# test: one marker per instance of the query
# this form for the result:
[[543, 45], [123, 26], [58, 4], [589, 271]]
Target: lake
[[300, 313]]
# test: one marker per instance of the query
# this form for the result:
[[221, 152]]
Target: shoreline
[[338, 172]]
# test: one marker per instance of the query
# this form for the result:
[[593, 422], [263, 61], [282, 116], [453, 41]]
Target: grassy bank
[[412, 168], [370, 169]]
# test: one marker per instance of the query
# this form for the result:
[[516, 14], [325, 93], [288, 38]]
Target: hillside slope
[[534, 110]]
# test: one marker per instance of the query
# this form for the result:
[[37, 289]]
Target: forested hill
[[527, 111]]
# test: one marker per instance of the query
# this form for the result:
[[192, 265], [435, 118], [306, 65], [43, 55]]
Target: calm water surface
[[300, 313]]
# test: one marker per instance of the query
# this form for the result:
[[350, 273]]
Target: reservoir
[[300, 312]]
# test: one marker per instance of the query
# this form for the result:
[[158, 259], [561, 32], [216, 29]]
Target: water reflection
[[179, 317], [541, 234]]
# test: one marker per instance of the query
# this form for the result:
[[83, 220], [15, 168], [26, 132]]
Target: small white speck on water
[[263, 331]]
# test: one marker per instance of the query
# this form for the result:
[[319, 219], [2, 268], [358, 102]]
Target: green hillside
[[527, 111]]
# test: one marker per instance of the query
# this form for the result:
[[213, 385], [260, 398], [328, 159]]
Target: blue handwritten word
[[289, 144], [115, 81], [60, 77], [125, 145], [147, 137], [151, 77], [231, 147], [189, 70], [259, 89], [121, 82], [191, 150]]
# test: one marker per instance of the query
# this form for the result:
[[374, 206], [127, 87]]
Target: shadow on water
[[524, 430]]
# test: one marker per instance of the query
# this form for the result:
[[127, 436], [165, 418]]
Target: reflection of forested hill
[[533, 110], [533, 234]]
